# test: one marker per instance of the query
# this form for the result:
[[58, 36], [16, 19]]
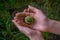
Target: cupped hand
[[41, 20], [32, 34]]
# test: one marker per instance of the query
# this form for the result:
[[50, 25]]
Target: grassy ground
[[8, 8]]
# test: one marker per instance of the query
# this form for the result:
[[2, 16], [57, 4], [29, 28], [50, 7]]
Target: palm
[[41, 23], [27, 31]]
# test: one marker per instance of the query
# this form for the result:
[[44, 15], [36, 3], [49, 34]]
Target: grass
[[8, 8]]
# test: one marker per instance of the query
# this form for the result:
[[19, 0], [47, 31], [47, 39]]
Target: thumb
[[33, 9]]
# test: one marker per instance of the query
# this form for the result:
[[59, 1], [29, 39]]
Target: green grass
[[7, 8]]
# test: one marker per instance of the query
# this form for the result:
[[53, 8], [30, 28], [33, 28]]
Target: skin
[[42, 24], [32, 34], [54, 27]]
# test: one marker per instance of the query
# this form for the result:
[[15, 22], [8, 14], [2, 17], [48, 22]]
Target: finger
[[15, 18], [17, 14], [26, 11], [32, 9], [20, 15], [25, 30]]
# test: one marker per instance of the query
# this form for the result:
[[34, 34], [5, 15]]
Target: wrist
[[37, 36], [54, 27], [51, 25]]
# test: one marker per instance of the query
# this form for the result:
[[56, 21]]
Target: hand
[[41, 20], [32, 34]]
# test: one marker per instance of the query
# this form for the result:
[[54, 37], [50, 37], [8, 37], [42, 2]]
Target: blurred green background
[[8, 8]]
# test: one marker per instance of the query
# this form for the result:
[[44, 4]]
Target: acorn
[[29, 19]]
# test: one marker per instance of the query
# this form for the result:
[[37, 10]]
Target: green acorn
[[28, 19]]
